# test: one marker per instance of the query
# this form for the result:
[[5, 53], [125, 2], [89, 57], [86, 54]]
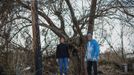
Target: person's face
[[62, 40], [89, 36]]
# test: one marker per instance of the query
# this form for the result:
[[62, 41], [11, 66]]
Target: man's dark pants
[[90, 65]]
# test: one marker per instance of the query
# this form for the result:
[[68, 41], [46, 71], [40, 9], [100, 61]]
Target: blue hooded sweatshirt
[[92, 51]]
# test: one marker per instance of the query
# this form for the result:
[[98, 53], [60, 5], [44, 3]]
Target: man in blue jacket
[[92, 54], [62, 56]]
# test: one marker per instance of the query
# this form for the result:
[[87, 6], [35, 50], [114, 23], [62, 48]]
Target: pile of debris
[[109, 70]]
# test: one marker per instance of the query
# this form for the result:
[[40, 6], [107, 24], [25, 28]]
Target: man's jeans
[[92, 65], [63, 65]]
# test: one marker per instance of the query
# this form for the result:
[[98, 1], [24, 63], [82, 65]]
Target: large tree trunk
[[36, 39], [92, 16]]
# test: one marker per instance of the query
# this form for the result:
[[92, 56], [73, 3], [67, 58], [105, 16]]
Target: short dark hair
[[62, 37], [90, 33]]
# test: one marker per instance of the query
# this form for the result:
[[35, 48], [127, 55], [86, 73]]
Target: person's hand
[[68, 60], [94, 59], [57, 60], [85, 60]]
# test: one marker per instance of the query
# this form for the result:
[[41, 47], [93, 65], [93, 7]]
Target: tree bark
[[92, 16], [36, 39]]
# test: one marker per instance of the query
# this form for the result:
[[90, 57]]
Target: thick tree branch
[[75, 22], [58, 14]]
